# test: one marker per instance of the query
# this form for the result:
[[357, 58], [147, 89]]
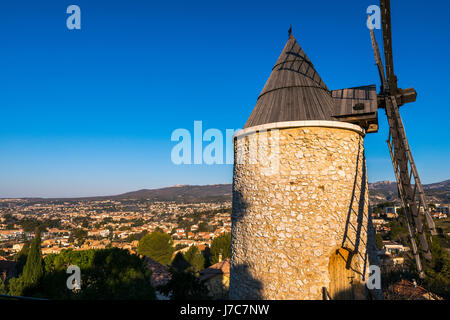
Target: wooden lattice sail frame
[[409, 184]]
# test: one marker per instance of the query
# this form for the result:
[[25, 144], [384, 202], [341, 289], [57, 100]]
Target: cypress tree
[[179, 263], [34, 269]]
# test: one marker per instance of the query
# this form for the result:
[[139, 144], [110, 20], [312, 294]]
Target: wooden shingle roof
[[294, 91]]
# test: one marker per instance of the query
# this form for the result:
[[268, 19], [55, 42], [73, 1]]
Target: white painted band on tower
[[299, 124]]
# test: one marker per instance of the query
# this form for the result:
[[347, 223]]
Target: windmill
[[410, 188], [315, 197]]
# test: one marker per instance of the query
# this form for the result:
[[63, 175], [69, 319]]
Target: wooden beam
[[403, 97], [385, 6]]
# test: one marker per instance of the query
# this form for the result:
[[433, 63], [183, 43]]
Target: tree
[[80, 235], [107, 220], [158, 229], [180, 246], [3, 288], [179, 263], [399, 231], [221, 246], [29, 225], [157, 246], [105, 274], [379, 241], [33, 269], [16, 286], [116, 274], [21, 257], [203, 227], [195, 258], [135, 236], [184, 286], [437, 278]]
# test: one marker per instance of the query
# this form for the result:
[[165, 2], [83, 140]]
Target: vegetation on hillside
[[437, 272], [105, 274]]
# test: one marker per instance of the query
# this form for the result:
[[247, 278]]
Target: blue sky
[[91, 111]]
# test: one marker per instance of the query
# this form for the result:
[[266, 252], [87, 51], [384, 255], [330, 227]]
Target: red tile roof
[[406, 290], [160, 275]]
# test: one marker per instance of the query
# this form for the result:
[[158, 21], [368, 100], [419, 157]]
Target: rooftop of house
[[220, 268], [407, 290], [160, 275]]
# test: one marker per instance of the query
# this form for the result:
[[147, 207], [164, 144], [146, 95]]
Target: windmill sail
[[410, 191]]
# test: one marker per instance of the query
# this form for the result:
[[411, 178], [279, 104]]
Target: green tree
[[437, 278], [105, 274], [195, 258], [80, 235], [30, 225], [180, 246], [33, 269], [135, 236], [158, 229], [221, 246], [16, 286], [203, 227], [157, 246], [21, 257], [3, 288], [399, 231], [379, 241], [179, 263], [107, 220], [184, 286]]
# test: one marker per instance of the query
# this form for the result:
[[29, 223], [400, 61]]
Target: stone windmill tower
[[300, 222]]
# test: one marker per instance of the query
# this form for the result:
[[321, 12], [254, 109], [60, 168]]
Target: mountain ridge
[[379, 191]]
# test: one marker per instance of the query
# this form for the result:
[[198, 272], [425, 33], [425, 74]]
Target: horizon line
[[172, 186]]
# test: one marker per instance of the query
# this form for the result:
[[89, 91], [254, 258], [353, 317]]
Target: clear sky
[[91, 111]]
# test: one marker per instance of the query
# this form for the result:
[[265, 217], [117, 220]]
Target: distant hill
[[380, 191], [383, 191], [182, 193]]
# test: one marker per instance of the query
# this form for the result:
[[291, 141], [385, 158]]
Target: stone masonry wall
[[287, 224]]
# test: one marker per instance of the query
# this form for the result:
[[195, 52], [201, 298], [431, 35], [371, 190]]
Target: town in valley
[[99, 223]]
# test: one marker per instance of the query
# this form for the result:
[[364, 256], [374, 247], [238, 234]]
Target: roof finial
[[290, 31]]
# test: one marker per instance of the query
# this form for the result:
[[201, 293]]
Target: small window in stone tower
[[358, 106]]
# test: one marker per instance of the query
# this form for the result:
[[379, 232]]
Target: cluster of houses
[[380, 223], [109, 222], [181, 233], [439, 215], [392, 253]]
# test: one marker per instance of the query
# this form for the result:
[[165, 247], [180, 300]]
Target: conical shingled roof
[[294, 91]]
